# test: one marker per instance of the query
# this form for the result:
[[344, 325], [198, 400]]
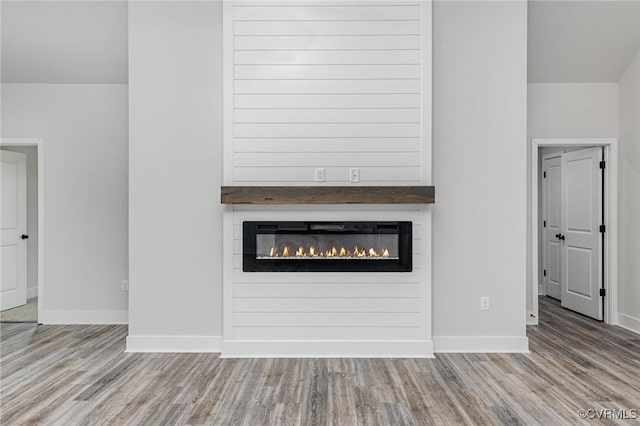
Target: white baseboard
[[481, 344], [83, 317], [629, 322], [32, 292], [174, 344], [327, 349]]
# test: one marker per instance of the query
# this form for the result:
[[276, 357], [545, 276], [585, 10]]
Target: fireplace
[[327, 247]]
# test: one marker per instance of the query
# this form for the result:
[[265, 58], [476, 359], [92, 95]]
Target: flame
[[341, 252]]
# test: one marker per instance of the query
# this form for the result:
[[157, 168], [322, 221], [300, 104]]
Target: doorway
[[574, 192], [22, 230], [573, 224]]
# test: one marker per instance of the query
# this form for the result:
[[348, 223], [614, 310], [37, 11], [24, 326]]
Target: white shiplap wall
[[334, 85], [317, 314]]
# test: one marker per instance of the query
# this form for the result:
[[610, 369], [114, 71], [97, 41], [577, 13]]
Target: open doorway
[[574, 201], [571, 238], [21, 223]]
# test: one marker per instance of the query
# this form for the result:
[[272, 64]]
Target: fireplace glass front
[[327, 247]]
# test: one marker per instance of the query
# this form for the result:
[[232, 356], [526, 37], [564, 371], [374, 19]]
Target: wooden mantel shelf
[[327, 195]]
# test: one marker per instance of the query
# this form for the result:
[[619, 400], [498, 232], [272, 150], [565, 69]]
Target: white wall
[[175, 171], [32, 216], [572, 110], [566, 110], [479, 163], [68, 42], [84, 128], [629, 195]]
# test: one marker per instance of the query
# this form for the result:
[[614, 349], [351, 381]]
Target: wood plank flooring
[[24, 313], [79, 375]]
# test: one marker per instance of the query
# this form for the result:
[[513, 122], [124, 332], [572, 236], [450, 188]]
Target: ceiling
[[581, 41], [64, 42]]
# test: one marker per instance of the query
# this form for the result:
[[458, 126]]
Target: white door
[[551, 166], [581, 240], [13, 221]]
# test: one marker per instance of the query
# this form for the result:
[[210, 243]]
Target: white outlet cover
[[354, 175], [485, 304]]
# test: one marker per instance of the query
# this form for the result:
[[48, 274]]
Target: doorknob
[[24, 236], [562, 237], [558, 236]]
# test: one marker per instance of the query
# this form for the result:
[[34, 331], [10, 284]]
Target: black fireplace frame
[[250, 262]]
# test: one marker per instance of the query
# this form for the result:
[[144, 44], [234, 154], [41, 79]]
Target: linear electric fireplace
[[327, 247]]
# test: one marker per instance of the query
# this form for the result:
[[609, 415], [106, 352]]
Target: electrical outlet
[[319, 174], [125, 285], [485, 304], [354, 175]]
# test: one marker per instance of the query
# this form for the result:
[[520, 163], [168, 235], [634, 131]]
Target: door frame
[[611, 220], [39, 144]]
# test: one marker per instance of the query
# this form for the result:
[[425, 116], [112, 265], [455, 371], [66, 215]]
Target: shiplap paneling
[[389, 334], [390, 278], [345, 86], [273, 302], [336, 115], [326, 72], [337, 72], [405, 159], [315, 28], [336, 86], [327, 130], [360, 12], [323, 319], [324, 145], [326, 304], [295, 175], [321, 100], [341, 289], [335, 42], [328, 57]]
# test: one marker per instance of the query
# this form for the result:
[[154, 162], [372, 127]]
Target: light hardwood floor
[[24, 313], [73, 375]]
